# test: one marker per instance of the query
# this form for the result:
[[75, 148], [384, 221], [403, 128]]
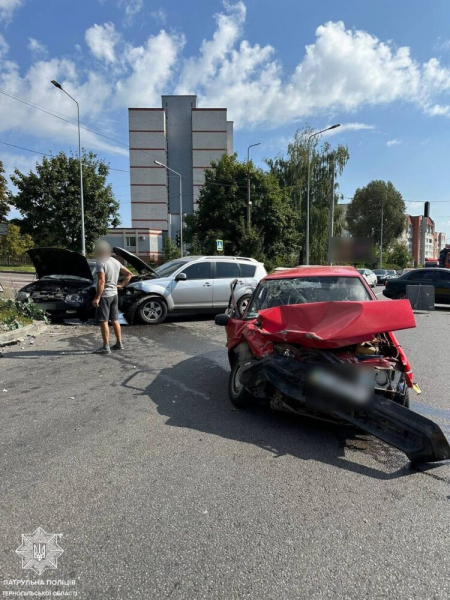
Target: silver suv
[[191, 284]]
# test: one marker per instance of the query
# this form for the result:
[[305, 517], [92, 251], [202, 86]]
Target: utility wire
[[43, 154]]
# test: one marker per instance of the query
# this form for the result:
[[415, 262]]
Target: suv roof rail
[[229, 258]]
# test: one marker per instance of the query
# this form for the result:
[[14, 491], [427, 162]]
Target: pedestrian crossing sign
[[219, 245]]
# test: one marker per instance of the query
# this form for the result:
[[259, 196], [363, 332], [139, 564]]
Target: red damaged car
[[316, 341]]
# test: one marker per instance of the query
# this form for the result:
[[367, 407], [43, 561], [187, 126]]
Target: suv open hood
[[58, 261], [135, 261]]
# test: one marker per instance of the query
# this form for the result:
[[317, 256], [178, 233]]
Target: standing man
[[106, 300]]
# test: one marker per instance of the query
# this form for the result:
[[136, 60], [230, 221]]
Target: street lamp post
[[308, 183], [160, 164], [381, 229], [80, 158], [249, 203]]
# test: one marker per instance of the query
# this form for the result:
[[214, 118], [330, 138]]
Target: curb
[[36, 328], [18, 272]]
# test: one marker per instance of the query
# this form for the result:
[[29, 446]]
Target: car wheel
[[400, 295], [242, 303], [237, 392], [151, 311]]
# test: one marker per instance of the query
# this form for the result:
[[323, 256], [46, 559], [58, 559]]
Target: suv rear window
[[247, 270]]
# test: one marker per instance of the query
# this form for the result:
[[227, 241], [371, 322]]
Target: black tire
[[239, 396], [400, 296], [242, 303], [151, 310]]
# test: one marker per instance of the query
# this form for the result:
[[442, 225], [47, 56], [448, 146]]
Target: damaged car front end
[[65, 284], [316, 342]]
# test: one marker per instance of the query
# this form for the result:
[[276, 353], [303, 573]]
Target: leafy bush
[[15, 314]]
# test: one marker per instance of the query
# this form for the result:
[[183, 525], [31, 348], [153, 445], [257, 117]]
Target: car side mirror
[[181, 277], [222, 320]]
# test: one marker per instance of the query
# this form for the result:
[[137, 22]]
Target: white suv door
[[197, 290], [225, 273]]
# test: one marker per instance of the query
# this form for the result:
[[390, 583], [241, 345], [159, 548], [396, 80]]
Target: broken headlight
[[74, 298]]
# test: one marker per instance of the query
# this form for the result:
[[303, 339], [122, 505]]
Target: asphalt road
[[15, 280], [161, 489]]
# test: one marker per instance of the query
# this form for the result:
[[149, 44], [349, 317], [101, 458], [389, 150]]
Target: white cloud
[[4, 48], [132, 8], [38, 49], [339, 73], [343, 70], [7, 8], [394, 142], [102, 40], [150, 68], [160, 16], [442, 44]]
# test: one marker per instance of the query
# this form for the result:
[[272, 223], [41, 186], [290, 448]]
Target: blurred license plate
[[341, 386]]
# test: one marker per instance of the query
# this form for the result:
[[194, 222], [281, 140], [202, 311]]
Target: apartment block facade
[[183, 137]]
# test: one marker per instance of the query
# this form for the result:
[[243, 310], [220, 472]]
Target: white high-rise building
[[184, 137]]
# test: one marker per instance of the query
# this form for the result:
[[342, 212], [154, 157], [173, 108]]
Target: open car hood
[[135, 261], [333, 324], [58, 261]]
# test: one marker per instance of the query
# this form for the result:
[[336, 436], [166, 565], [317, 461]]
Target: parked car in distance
[[392, 273], [193, 284], [369, 276], [382, 275], [435, 276]]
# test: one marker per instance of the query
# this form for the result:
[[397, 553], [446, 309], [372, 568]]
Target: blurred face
[[102, 251]]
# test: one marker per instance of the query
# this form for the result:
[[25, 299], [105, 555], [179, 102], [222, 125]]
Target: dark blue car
[[438, 278]]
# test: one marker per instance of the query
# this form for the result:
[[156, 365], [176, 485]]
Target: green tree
[[398, 254], [273, 235], [170, 250], [364, 212], [4, 202], [14, 243], [291, 171], [49, 201]]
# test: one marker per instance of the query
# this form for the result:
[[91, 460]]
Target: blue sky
[[380, 68]]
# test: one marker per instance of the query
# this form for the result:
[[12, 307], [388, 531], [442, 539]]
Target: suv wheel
[[242, 303], [151, 311]]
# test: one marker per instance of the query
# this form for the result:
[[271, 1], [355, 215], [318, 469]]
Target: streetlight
[[160, 164], [83, 240], [307, 190], [381, 229], [249, 203]]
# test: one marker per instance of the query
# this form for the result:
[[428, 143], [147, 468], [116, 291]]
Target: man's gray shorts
[[108, 309]]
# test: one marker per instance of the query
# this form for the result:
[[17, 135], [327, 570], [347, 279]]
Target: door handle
[[207, 284]]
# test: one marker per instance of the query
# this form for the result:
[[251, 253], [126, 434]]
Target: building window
[[130, 241]]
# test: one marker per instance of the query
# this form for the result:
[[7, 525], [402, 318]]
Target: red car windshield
[[301, 290]]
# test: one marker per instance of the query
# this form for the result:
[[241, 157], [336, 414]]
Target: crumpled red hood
[[333, 324]]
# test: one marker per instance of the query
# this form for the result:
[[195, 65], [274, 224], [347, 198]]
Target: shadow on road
[[193, 394]]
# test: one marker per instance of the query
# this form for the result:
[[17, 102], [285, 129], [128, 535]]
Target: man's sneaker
[[117, 346], [102, 350]]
